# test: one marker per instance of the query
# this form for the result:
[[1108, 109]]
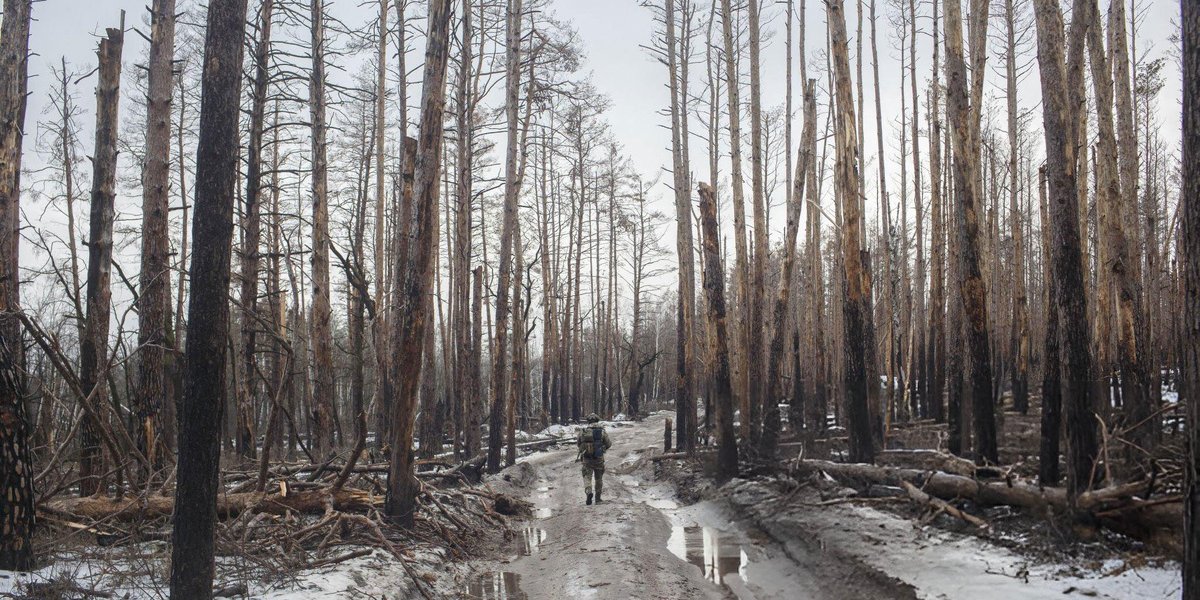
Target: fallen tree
[[1128, 508], [308, 501]]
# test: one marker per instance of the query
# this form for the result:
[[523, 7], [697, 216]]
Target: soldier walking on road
[[593, 442]]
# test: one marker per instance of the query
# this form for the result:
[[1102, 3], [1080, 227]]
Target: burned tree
[[856, 279], [775, 359], [964, 113], [16, 484], [500, 363], [714, 292], [1190, 198], [413, 277], [155, 278], [204, 394], [93, 348], [1061, 130], [322, 312]]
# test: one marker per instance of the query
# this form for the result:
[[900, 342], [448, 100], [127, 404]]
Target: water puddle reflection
[[706, 547], [543, 512], [528, 540], [496, 585]]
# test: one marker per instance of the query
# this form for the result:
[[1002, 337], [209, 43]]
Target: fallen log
[[940, 505], [228, 505], [1121, 508], [930, 460]]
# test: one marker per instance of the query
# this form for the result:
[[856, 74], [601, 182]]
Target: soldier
[[593, 442]]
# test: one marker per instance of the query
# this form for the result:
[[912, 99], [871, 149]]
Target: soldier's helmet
[[593, 418]]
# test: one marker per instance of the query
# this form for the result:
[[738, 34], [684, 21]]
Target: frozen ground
[[745, 542], [641, 544], [940, 564]]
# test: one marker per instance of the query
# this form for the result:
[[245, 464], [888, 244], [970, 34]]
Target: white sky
[[612, 32]]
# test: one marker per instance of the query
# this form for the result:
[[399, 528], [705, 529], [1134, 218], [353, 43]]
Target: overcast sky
[[613, 33]]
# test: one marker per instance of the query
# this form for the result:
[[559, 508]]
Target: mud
[[644, 542]]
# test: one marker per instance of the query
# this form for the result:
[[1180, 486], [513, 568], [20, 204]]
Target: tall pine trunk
[[205, 392], [1059, 102], [93, 348], [965, 129], [685, 401], [856, 280], [16, 491], [1190, 199], [775, 359], [322, 311], [500, 351], [414, 276], [714, 292], [155, 277], [252, 236]]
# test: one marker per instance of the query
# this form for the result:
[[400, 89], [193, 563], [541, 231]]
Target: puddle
[[706, 547], [662, 504], [528, 540], [543, 512], [496, 585]]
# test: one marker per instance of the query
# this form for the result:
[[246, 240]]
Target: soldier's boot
[[599, 488], [589, 497]]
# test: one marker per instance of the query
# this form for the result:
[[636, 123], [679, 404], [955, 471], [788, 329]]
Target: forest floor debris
[[303, 535]]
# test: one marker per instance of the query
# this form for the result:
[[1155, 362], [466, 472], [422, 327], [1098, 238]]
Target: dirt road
[[640, 544]]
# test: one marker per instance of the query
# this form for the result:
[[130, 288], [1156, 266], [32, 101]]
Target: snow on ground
[[140, 572], [558, 430], [946, 565]]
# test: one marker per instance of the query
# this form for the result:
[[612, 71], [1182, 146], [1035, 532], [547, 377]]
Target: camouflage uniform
[[592, 465]]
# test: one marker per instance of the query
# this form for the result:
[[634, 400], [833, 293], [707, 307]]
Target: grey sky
[[612, 32]]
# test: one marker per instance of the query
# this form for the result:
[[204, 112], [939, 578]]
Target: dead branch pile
[[1138, 509], [304, 519]]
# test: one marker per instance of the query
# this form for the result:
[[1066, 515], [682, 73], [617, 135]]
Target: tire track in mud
[[639, 543]]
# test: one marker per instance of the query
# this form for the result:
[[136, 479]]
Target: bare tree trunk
[[1051, 422], [1190, 197], [93, 348], [965, 128], [512, 190], [856, 280], [1124, 259], [462, 241], [775, 359], [937, 244], [685, 400], [741, 270], [473, 434], [755, 365], [1020, 310], [252, 237], [413, 279], [322, 312], [204, 395], [549, 317], [714, 292], [379, 256], [1058, 104], [16, 493], [515, 384], [155, 277]]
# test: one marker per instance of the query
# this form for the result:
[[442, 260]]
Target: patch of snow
[[558, 430], [941, 564]]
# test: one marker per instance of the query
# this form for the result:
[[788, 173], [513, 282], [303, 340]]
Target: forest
[[875, 298]]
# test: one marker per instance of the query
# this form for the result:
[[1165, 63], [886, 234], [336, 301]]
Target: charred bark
[[204, 395]]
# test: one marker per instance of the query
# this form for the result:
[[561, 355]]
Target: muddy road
[[641, 544]]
